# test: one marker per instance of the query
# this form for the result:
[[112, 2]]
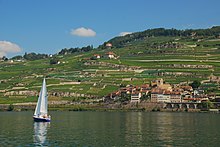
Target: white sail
[[41, 108]]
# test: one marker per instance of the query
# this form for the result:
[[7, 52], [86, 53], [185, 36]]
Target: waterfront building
[[175, 97], [135, 96]]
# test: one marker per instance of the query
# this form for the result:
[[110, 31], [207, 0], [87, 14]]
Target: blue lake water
[[101, 129]]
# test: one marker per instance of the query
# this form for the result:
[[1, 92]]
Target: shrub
[[10, 107]]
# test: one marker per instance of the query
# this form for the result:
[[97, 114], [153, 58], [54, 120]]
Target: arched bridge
[[189, 105], [182, 105]]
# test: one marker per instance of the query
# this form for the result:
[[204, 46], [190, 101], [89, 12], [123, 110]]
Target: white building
[[175, 97], [163, 98], [109, 45], [136, 97]]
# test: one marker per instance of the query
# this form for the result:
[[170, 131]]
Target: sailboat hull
[[38, 119]]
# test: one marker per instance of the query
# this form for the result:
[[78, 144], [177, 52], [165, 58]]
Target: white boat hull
[[41, 119]]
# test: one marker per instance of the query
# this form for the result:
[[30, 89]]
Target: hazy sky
[[47, 26]]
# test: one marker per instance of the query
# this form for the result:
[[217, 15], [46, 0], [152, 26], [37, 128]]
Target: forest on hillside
[[121, 41]]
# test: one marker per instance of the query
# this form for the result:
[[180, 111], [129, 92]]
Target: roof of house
[[157, 91], [186, 87], [110, 53], [109, 45]]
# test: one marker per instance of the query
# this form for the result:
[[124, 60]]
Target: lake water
[[119, 129]]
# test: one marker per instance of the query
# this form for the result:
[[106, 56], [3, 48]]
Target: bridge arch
[[184, 106], [169, 106], [199, 106], [192, 106], [176, 106]]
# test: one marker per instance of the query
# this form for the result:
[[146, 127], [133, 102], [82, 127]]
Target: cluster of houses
[[109, 55], [158, 91]]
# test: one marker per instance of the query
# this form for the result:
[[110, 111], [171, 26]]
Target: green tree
[[34, 56], [4, 58], [10, 107], [54, 61], [195, 84], [207, 105], [19, 57], [125, 97]]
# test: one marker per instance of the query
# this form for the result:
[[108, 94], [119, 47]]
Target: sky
[[47, 26]]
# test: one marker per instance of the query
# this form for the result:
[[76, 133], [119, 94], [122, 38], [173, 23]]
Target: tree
[[207, 105], [10, 107], [34, 56], [75, 50], [4, 58], [124, 97], [54, 61], [195, 84], [19, 57]]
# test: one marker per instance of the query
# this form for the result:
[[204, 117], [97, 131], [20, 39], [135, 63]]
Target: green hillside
[[174, 55]]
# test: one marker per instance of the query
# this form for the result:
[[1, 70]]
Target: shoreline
[[141, 107]]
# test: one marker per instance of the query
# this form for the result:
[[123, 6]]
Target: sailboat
[[40, 113]]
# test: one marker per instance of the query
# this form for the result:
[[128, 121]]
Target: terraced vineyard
[[173, 58]]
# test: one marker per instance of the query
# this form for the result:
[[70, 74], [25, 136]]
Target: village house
[[134, 92], [175, 97], [165, 97], [111, 55], [96, 56], [156, 94], [113, 96], [108, 45], [161, 95], [187, 88], [127, 90], [199, 93]]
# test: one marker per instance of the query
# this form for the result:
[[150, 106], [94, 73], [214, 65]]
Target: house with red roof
[[111, 55]]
